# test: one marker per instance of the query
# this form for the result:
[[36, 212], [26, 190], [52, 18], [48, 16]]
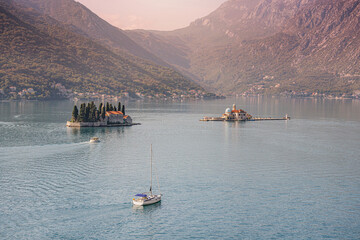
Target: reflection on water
[[94, 131], [146, 209]]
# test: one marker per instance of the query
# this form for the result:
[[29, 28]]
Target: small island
[[106, 115], [235, 115]]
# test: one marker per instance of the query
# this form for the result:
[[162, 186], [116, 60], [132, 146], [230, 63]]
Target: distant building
[[235, 114], [115, 117], [31, 90], [22, 93]]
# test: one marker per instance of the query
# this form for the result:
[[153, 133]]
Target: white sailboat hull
[[147, 201]]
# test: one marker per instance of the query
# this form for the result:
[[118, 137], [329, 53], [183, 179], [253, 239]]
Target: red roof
[[114, 112], [237, 111]]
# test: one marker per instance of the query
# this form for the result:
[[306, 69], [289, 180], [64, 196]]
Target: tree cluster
[[90, 113]]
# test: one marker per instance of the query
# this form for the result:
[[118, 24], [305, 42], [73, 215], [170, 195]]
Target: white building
[[236, 114]]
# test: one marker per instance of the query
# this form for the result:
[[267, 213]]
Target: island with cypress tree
[[106, 115]]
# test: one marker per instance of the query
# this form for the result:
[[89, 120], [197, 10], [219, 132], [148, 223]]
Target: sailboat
[[147, 198]]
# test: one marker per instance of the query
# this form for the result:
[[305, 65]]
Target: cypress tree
[[97, 116], [107, 106], [123, 109], [111, 107], [87, 113], [100, 106], [119, 106], [114, 108], [75, 114], [103, 113], [81, 117], [92, 117]]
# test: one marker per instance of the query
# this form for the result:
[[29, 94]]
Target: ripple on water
[[269, 180]]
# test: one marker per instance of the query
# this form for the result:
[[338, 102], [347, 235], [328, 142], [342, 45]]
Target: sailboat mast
[[151, 169]]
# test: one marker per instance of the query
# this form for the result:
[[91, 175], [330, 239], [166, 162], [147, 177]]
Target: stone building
[[235, 114]]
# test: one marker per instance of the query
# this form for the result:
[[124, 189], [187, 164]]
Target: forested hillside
[[38, 52], [81, 20]]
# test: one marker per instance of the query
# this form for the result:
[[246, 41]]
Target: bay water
[[296, 179]]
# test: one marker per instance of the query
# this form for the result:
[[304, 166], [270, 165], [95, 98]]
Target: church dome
[[228, 110]]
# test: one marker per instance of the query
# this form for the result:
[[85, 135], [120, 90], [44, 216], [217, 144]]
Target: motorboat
[[94, 140]]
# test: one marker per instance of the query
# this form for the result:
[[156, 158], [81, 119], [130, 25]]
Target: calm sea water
[[297, 179]]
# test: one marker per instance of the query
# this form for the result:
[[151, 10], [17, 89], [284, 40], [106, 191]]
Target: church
[[235, 114]]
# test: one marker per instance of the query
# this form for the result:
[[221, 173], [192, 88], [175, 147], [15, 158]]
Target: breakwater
[[207, 119]]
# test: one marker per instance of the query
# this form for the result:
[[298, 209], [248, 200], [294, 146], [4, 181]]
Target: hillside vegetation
[[37, 52], [81, 20]]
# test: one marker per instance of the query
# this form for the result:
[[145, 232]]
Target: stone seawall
[[86, 124]]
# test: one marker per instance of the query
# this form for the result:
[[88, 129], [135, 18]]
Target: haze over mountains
[[267, 46], [244, 46]]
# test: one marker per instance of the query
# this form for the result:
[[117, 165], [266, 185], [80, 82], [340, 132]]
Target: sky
[[162, 15]]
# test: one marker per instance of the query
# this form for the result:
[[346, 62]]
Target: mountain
[[205, 42], [267, 46], [81, 20], [244, 46], [248, 19], [316, 51], [39, 52], [233, 21]]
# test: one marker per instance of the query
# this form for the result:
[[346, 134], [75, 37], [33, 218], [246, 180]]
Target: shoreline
[[180, 100], [97, 124]]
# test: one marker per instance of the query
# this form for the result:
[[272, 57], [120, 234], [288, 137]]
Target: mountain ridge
[[267, 46], [40, 52], [86, 22], [245, 46]]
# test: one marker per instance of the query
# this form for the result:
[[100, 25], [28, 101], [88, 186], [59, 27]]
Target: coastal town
[[59, 91], [260, 89]]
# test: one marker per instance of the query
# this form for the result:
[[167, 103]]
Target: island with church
[[106, 115], [235, 115]]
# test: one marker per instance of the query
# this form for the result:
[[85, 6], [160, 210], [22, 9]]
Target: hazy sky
[[151, 14]]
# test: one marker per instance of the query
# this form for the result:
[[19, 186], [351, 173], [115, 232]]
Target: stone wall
[[86, 124]]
